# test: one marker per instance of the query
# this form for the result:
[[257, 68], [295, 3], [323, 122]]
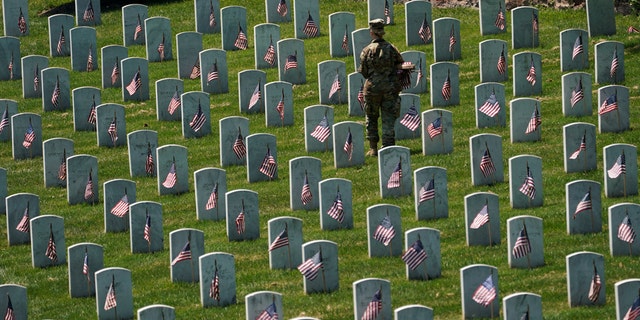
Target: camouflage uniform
[[379, 63]]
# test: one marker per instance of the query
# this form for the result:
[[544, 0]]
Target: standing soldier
[[380, 63]]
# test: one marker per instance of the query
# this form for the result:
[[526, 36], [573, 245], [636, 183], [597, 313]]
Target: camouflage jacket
[[379, 63]]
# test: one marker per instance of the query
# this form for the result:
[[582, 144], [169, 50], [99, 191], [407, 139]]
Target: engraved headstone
[[380, 9], [265, 37], [446, 39], [233, 149], [87, 12], [243, 215], [318, 121], [360, 38], [285, 242], [480, 291], [494, 59], [586, 279], [623, 220], [482, 219], [577, 94], [207, 14], [15, 18], [356, 94], [172, 169], [525, 186], [8, 109], [82, 179], [83, 47], [445, 84], [522, 305], [486, 159], [349, 135], [217, 279], [422, 256], [188, 47], [574, 50], [47, 241], [291, 61], [10, 58], [56, 89], [431, 199], [111, 126], [524, 237], [59, 26], [54, 160], [336, 201], [145, 225], [263, 304], [31, 81], [135, 79], [306, 19], [437, 138], [133, 16], [627, 297], [250, 88], [168, 102], [196, 114], [613, 108], [186, 246], [210, 186], [157, 311], [620, 170], [119, 194], [278, 11], [579, 147], [492, 17], [233, 28], [341, 24], [331, 80], [304, 175], [527, 74], [278, 104], [609, 61], [525, 27], [413, 311], [371, 295], [158, 39], [114, 293], [418, 23], [26, 136], [85, 259], [110, 65], [490, 105], [85, 101], [601, 18], [526, 120], [18, 296], [320, 256], [418, 79], [20, 209], [142, 146], [384, 230], [391, 161], [262, 157], [214, 73]]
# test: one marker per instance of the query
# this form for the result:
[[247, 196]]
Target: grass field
[[47, 289]]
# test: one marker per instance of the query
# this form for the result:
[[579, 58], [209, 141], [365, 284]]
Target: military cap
[[376, 24]]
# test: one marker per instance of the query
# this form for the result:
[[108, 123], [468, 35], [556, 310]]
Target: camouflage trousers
[[387, 105]]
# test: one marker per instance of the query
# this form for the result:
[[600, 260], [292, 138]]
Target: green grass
[[47, 289]]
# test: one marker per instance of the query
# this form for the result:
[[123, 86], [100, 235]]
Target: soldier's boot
[[373, 149]]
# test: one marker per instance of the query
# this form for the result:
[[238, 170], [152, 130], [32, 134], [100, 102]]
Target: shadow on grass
[[110, 5]]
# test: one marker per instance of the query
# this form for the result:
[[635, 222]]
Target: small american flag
[[424, 32], [270, 55], [625, 231], [161, 49], [121, 208], [486, 164], [282, 8], [214, 289], [147, 229], [90, 60], [618, 168], [113, 131], [534, 22], [502, 63], [452, 40], [269, 313], [269, 166], [61, 41], [55, 95], [584, 204], [255, 96], [85, 266], [361, 97], [311, 266], [212, 202], [22, 23], [491, 106], [213, 73], [11, 67], [435, 128], [348, 146], [411, 119], [89, 14], [29, 137], [336, 211], [534, 122], [138, 30], [23, 225], [198, 120], [528, 187], [149, 164], [531, 75], [305, 195], [241, 40], [385, 231], [577, 94], [420, 75], [185, 254], [414, 256], [581, 147], [577, 47], [280, 107], [373, 308], [322, 130], [634, 311], [4, 121], [609, 104], [135, 84], [240, 223], [522, 247], [427, 191], [110, 301], [310, 28], [396, 177], [282, 240], [387, 13], [632, 29], [172, 177], [336, 86], [51, 252], [345, 40], [238, 146], [9, 315], [614, 64], [115, 72], [446, 88], [88, 189], [485, 293], [62, 169], [174, 103], [481, 218], [500, 21], [195, 70], [596, 285], [212, 16], [36, 79], [292, 62]]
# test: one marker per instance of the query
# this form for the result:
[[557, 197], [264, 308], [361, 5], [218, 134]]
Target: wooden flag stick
[[624, 184], [88, 280]]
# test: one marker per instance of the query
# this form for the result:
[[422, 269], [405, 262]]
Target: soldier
[[380, 63]]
